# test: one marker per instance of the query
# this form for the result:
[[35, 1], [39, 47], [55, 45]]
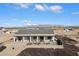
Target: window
[[34, 37], [19, 38], [41, 38], [49, 37], [28, 37]]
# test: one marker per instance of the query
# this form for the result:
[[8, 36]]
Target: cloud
[[75, 13], [44, 7], [6, 24], [39, 7], [30, 24], [25, 21], [19, 5], [22, 5], [56, 8]]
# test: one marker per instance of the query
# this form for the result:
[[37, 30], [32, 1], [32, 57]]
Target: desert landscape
[[39, 29]]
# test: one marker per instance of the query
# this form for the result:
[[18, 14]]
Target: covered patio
[[36, 39]]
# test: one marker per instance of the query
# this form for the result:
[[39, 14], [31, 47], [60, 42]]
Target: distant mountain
[[44, 26]]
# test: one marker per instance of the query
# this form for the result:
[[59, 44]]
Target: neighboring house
[[2, 29], [67, 29], [11, 31], [36, 35]]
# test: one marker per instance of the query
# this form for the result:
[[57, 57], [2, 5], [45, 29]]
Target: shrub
[[2, 48]]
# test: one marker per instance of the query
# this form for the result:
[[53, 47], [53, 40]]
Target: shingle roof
[[36, 31]]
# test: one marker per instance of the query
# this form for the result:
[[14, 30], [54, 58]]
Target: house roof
[[36, 31]]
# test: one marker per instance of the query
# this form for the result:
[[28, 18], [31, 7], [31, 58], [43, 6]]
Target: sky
[[23, 14]]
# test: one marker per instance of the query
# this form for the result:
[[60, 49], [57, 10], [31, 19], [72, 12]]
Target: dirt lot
[[74, 34], [43, 52], [5, 37]]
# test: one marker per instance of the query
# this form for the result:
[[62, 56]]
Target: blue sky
[[12, 14]]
